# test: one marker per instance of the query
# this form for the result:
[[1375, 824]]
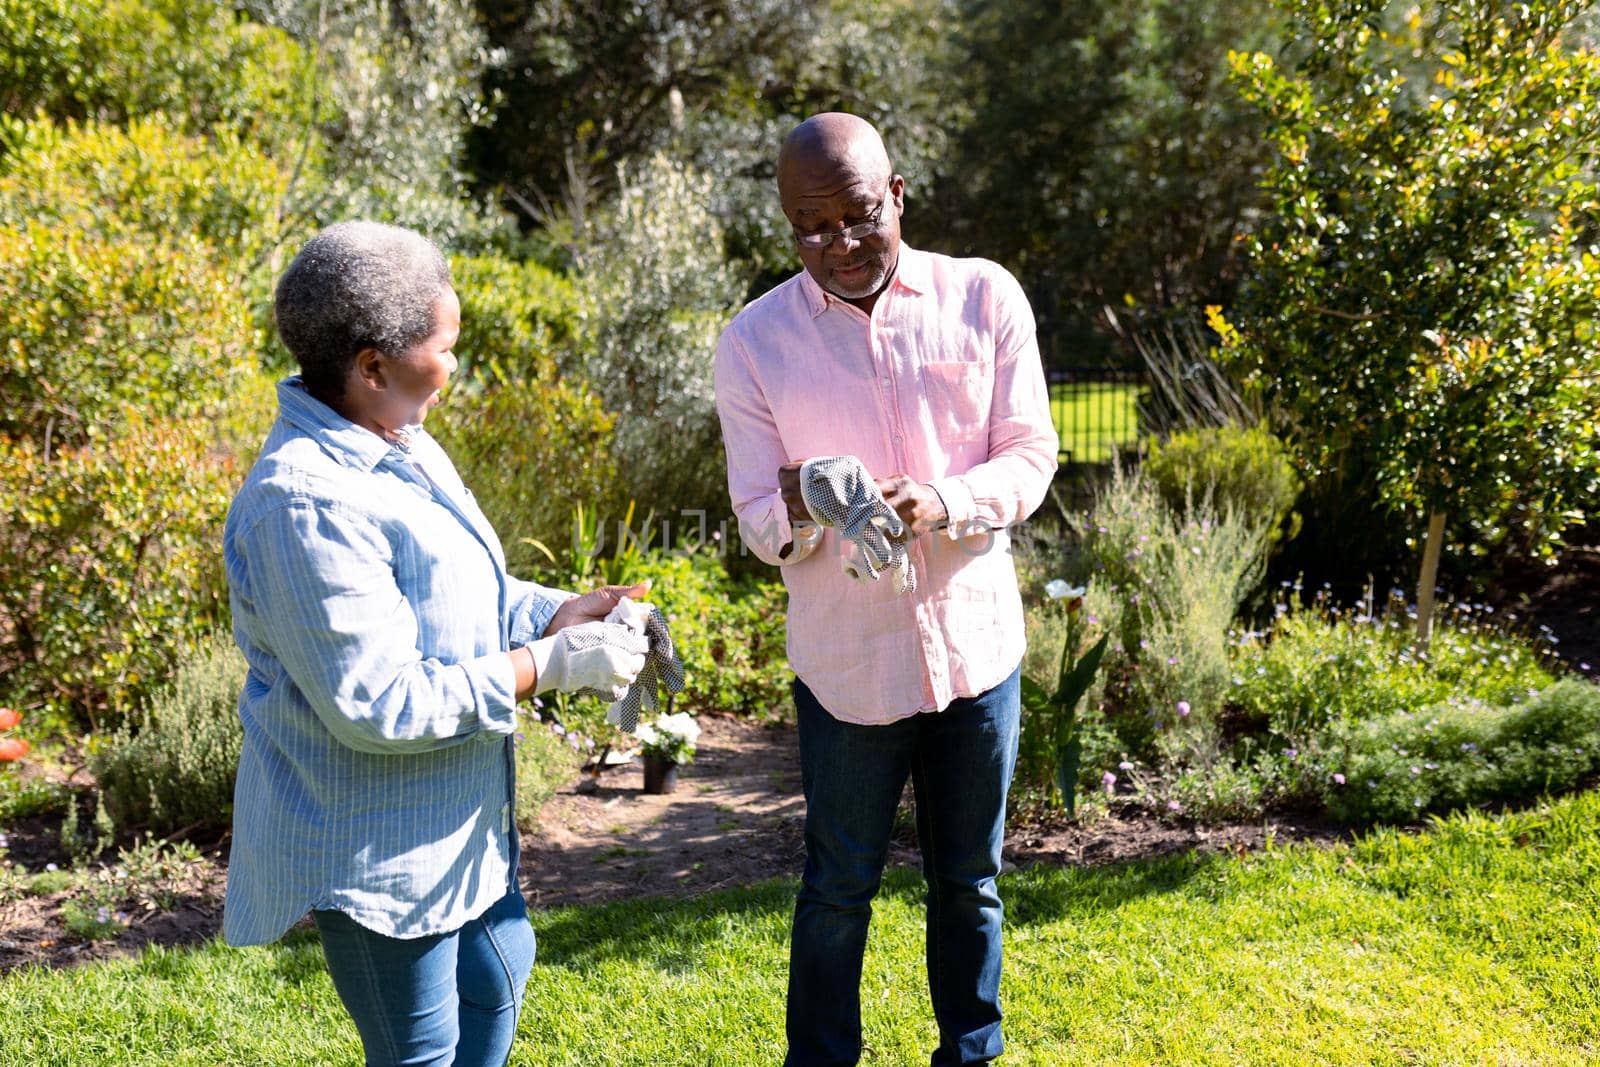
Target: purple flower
[[1292, 753], [1172, 661], [1109, 781], [538, 704], [1183, 709], [1173, 805], [102, 914], [520, 737], [1338, 779], [1125, 766], [536, 716]]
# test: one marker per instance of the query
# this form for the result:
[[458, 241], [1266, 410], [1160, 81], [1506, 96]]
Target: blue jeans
[[438, 1000], [960, 762]]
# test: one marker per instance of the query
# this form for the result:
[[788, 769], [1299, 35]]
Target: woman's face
[[412, 381]]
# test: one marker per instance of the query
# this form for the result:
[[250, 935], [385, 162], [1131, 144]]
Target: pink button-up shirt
[[942, 383]]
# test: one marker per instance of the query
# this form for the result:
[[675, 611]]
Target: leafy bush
[[729, 632], [95, 328], [529, 452], [146, 180], [1166, 587], [1245, 470], [176, 766], [1404, 765], [109, 569], [120, 59], [655, 303], [519, 320], [546, 761], [1317, 667]]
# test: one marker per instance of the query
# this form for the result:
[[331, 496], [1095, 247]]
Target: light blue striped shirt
[[371, 599]]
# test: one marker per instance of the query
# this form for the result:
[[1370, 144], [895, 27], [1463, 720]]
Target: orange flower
[[9, 717], [13, 748]]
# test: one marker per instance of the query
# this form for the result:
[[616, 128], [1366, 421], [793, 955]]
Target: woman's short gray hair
[[357, 285]]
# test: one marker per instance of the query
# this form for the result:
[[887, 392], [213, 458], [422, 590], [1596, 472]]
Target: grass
[[1095, 418], [1473, 943]]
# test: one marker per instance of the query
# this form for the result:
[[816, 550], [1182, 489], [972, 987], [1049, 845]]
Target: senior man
[[926, 369]]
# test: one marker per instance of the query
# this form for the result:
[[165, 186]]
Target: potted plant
[[667, 744]]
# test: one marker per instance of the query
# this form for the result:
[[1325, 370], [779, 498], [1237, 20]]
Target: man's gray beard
[[867, 288]]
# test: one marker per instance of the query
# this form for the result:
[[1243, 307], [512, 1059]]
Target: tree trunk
[[1430, 573]]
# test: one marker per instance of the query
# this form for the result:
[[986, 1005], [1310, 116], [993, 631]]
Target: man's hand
[[789, 486], [918, 506], [593, 606]]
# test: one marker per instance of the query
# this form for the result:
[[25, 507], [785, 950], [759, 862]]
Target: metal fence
[[1096, 411]]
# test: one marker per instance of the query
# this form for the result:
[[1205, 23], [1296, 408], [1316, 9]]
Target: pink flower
[[1109, 781], [1173, 805], [1183, 709], [1338, 779]]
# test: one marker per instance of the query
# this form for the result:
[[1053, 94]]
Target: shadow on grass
[[672, 933]]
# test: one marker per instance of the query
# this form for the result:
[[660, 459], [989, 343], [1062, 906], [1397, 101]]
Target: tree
[[1103, 155], [1422, 304]]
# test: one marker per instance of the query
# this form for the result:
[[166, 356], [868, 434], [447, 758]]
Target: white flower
[[646, 734], [680, 725], [1058, 589]]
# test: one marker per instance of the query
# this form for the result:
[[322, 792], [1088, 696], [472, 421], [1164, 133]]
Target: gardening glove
[[661, 666], [839, 492], [591, 659]]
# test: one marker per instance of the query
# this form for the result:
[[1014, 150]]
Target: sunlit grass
[[1095, 418], [1473, 943]]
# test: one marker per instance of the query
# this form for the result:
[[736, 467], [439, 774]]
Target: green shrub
[[176, 766], [529, 452], [119, 59], [97, 328], [1318, 668], [519, 320], [729, 632], [1166, 587], [545, 763], [656, 296], [1463, 752], [109, 569], [22, 797], [148, 180], [1245, 470]]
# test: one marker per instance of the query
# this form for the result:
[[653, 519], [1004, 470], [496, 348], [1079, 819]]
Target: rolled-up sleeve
[[755, 452], [326, 604], [1013, 481], [531, 607]]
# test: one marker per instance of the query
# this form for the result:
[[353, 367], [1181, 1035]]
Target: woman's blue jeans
[[960, 762], [435, 1001]]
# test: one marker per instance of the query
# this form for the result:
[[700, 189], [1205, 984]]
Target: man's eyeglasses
[[859, 232]]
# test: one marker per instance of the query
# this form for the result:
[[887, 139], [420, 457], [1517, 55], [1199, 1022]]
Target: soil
[[735, 818], [1562, 596]]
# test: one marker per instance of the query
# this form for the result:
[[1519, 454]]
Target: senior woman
[[388, 648]]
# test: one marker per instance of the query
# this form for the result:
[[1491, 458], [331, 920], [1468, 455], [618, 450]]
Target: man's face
[[828, 201]]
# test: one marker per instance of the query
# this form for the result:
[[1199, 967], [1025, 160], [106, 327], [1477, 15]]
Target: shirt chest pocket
[[957, 395]]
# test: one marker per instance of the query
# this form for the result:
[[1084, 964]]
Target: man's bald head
[[831, 147]]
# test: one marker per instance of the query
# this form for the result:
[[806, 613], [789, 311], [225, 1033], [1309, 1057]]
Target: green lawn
[[1094, 418], [1475, 943]]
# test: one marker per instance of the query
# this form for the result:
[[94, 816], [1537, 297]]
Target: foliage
[[530, 442], [108, 564], [1054, 713], [1465, 752], [146, 180], [1424, 295], [655, 304], [1242, 470], [24, 797], [546, 761], [97, 328], [174, 767], [1318, 668], [92, 920], [396, 87], [1107, 129], [118, 60], [729, 633], [1165, 586]]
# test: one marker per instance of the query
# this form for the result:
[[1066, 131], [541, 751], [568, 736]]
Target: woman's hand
[[593, 606]]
